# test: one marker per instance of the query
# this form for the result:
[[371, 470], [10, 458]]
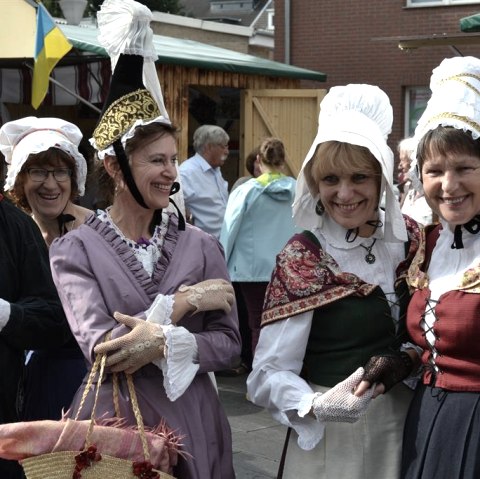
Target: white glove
[[209, 295], [339, 404], [142, 345]]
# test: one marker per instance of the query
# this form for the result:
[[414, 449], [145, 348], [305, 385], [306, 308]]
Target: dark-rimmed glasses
[[41, 174]]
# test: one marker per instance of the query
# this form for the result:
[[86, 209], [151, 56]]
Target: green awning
[[177, 51], [470, 24]]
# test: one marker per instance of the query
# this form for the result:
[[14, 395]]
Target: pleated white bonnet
[[361, 115], [454, 102]]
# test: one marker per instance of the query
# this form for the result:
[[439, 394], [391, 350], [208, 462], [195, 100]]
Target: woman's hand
[[143, 344], [385, 371], [340, 404], [364, 386], [208, 295]]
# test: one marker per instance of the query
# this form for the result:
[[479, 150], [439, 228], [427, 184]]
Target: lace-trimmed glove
[[143, 344], [388, 369], [209, 295], [339, 404]]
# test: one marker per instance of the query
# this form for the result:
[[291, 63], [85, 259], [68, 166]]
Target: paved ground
[[257, 438]]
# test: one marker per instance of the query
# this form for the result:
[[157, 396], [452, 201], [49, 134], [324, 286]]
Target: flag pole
[[64, 88]]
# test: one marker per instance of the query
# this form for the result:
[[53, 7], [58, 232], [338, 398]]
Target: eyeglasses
[[41, 174]]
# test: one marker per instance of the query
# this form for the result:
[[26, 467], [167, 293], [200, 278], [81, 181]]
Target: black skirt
[[52, 378], [442, 435]]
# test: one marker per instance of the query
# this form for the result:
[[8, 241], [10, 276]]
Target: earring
[[319, 208]]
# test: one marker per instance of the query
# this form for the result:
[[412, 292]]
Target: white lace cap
[[455, 102], [31, 135], [361, 115]]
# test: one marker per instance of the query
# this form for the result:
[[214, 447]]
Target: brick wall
[[335, 37]]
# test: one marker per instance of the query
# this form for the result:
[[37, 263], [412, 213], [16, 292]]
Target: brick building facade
[[347, 39]]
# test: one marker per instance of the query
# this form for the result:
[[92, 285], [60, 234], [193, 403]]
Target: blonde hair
[[340, 157]]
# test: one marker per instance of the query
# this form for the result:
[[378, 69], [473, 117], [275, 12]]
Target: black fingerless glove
[[388, 369]]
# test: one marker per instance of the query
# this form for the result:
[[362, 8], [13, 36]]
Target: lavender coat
[[97, 274]]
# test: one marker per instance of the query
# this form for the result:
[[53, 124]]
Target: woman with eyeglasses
[[46, 173]]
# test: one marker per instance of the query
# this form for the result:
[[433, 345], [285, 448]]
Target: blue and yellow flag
[[50, 46]]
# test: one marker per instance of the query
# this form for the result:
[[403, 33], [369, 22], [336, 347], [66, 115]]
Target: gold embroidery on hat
[[459, 78], [122, 114], [452, 116]]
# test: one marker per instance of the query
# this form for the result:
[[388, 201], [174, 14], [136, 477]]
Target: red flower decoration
[[84, 460], [144, 470]]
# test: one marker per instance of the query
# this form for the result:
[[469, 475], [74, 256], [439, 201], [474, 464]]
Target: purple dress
[[96, 274]]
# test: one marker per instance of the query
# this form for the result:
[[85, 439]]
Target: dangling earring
[[319, 208]]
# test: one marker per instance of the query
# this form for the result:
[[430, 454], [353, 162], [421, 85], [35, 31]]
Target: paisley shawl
[[306, 278]]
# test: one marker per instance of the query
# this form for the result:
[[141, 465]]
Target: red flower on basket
[[144, 470], [85, 459]]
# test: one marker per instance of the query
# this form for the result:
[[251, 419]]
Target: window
[[270, 24], [416, 98], [231, 6], [436, 3]]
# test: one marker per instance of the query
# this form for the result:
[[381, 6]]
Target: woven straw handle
[[100, 360]]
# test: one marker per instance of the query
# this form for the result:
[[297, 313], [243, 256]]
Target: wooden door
[[291, 115]]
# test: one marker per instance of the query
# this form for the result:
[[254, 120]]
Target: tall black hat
[[135, 96]]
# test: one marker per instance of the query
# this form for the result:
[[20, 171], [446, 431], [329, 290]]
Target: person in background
[[204, 189], [404, 150], [252, 166], [46, 172], [412, 201], [258, 222], [137, 273], [31, 315], [442, 431], [333, 319]]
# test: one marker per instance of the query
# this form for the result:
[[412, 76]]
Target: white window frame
[[416, 98], [270, 17], [436, 3]]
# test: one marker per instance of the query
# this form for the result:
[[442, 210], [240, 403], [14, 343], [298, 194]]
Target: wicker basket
[[62, 464]]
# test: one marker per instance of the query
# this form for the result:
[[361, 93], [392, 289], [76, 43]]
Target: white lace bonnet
[[30, 135], [362, 115]]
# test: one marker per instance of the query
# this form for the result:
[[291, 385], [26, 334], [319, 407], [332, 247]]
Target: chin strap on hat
[[127, 174], [181, 220]]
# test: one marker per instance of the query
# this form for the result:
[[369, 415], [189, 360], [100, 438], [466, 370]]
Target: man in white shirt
[[204, 189]]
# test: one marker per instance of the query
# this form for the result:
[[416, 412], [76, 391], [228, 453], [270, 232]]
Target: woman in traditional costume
[[333, 319], [137, 273], [442, 432], [46, 174]]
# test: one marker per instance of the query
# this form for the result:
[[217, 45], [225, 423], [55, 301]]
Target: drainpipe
[[287, 32]]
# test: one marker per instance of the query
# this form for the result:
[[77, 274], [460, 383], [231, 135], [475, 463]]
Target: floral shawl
[[306, 278]]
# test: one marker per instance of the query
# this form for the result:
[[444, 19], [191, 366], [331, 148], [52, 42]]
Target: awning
[[470, 24], [85, 79], [178, 51]]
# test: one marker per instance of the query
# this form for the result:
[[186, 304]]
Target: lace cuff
[[160, 312], [306, 403], [4, 313], [181, 362]]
